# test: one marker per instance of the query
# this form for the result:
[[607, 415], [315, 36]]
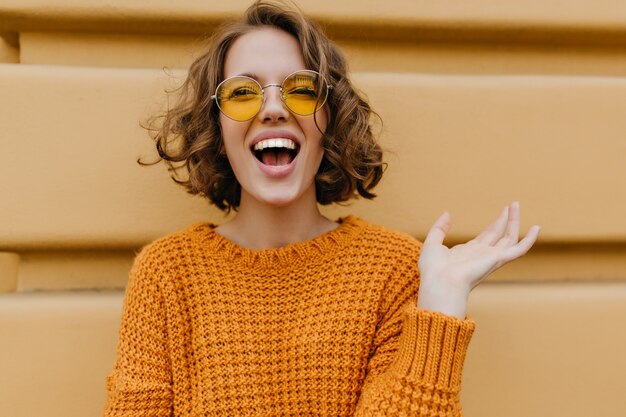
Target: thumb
[[438, 231]]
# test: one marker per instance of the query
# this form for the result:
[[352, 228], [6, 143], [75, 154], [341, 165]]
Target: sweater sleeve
[[416, 363], [140, 384]]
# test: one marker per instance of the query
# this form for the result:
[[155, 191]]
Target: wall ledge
[[585, 23]]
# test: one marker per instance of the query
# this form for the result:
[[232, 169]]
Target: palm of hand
[[463, 266], [451, 273]]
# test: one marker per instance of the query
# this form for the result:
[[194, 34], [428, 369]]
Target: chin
[[279, 200], [279, 197]]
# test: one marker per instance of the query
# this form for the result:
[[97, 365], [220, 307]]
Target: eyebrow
[[248, 74], [253, 76]]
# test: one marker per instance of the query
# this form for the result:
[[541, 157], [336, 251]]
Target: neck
[[261, 226]]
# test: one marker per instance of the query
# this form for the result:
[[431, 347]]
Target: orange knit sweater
[[325, 327]]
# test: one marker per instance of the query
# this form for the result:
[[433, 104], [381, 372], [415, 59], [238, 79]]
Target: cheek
[[233, 133], [322, 118], [317, 125], [226, 128], [322, 122], [327, 117]]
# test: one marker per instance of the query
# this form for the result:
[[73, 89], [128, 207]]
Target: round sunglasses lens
[[240, 98], [304, 92]]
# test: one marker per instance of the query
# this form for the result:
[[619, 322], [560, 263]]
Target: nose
[[273, 108]]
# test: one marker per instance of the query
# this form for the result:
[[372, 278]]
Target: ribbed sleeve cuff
[[137, 399], [432, 348]]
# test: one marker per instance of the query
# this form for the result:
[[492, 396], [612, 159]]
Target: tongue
[[276, 157]]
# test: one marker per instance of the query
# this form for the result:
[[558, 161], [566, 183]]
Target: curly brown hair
[[188, 136]]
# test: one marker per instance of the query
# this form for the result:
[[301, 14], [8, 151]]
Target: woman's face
[[272, 177]]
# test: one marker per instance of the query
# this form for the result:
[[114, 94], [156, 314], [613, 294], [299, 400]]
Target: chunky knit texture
[[325, 327]]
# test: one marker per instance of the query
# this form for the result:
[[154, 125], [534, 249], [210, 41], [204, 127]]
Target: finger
[[511, 234], [521, 247], [494, 231], [438, 230]]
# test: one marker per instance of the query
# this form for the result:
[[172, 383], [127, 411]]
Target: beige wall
[[482, 103]]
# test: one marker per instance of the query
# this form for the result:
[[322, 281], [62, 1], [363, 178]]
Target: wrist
[[450, 300]]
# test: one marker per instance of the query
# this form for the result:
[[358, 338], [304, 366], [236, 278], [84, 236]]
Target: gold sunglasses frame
[[282, 98]]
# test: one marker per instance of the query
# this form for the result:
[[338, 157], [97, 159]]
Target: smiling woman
[[290, 182], [351, 164], [281, 311]]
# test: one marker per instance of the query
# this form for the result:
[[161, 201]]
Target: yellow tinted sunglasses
[[241, 98]]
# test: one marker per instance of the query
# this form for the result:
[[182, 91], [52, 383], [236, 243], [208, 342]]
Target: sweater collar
[[308, 252]]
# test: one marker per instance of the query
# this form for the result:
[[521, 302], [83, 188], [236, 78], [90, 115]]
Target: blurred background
[[482, 103]]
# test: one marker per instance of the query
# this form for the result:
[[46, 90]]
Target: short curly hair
[[188, 135]]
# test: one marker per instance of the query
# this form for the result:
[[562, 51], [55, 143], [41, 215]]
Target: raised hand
[[447, 275]]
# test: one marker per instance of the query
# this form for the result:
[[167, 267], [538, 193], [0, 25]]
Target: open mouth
[[276, 152]]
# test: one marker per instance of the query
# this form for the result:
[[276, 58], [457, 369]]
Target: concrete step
[[584, 20], [55, 351], [539, 350], [467, 144]]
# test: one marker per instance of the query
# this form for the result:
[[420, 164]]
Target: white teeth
[[275, 143]]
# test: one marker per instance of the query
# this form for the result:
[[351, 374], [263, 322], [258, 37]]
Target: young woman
[[281, 311]]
